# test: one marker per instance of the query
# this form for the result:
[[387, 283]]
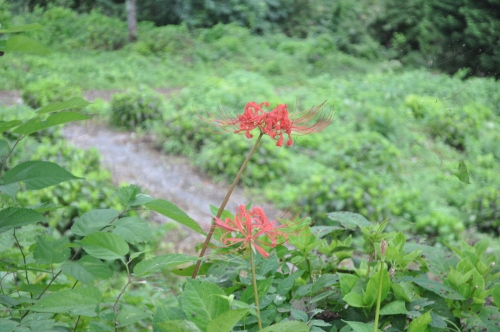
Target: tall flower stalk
[[276, 124]]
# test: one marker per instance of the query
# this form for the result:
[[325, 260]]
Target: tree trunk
[[130, 5]]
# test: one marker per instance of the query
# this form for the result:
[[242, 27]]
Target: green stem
[[379, 296], [255, 290], [223, 205]]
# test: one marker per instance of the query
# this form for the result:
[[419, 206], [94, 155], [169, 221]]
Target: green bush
[[5, 15], [168, 40], [135, 107], [45, 91], [483, 209], [452, 124]]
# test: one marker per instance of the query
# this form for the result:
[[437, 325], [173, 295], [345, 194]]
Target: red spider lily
[[251, 225], [278, 121]]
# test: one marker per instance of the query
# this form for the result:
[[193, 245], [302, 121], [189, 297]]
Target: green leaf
[[38, 174], [81, 301], [87, 269], [10, 189], [6, 125], [394, 308], [436, 287], [176, 326], [133, 230], [93, 221], [165, 313], [7, 325], [486, 320], [56, 119], [159, 263], [262, 289], [286, 284], [201, 302], [360, 327], [173, 212], [348, 219], [462, 174], [20, 43], [16, 217], [75, 102], [421, 323], [225, 321], [370, 296], [23, 28], [496, 295], [51, 251], [104, 245], [130, 315], [289, 326], [131, 196], [354, 300], [347, 282]]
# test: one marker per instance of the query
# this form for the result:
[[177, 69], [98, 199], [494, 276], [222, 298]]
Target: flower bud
[[383, 248]]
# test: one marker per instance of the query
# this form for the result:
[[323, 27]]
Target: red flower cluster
[[278, 122], [251, 224]]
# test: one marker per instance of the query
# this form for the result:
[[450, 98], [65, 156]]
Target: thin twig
[[24, 259]]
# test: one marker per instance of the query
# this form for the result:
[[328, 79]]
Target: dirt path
[[134, 161]]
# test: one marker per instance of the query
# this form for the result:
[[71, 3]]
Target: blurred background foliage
[[401, 126], [449, 35]]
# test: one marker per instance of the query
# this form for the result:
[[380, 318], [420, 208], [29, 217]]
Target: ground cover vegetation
[[414, 151]]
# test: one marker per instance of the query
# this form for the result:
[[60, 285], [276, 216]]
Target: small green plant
[[45, 91]]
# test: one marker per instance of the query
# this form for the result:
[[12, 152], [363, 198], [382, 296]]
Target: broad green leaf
[[262, 288], [325, 280], [402, 291], [87, 269], [50, 250], [104, 245], [201, 303], [487, 319], [75, 102], [354, 300], [349, 220], [436, 287], [165, 313], [176, 326], [133, 230], [40, 322], [159, 263], [20, 43], [347, 282], [36, 124], [93, 221], [7, 325], [23, 28], [6, 125], [16, 217], [496, 295], [360, 327], [289, 326], [130, 315], [394, 308], [82, 301], [421, 323], [225, 321], [127, 194], [9, 301], [299, 315], [38, 174], [370, 296], [173, 212]]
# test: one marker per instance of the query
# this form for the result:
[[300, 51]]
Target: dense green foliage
[[448, 35]]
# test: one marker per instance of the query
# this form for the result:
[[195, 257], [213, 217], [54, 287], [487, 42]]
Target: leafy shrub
[[483, 209], [5, 15], [450, 124], [45, 91], [135, 107], [442, 224], [167, 40]]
